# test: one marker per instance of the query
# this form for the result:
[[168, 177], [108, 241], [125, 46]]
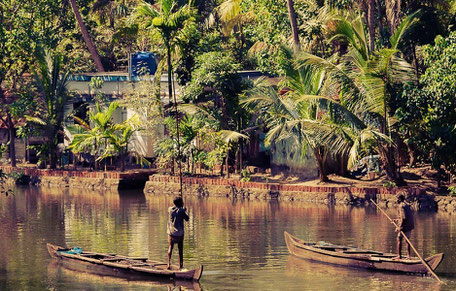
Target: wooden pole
[[410, 243]]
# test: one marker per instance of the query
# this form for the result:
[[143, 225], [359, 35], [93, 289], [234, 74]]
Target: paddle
[[410, 243]]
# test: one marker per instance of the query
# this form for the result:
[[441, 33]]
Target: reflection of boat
[[56, 270], [358, 258], [116, 265]]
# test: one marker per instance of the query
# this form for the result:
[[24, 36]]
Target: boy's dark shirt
[[406, 217], [176, 220]]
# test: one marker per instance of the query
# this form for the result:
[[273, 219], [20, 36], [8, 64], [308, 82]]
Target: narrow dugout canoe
[[122, 266], [357, 258]]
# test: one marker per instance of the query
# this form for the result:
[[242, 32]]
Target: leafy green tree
[[366, 79], [166, 23], [51, 85], [103, 138], [23, 25], [216, 87], [428, 110]]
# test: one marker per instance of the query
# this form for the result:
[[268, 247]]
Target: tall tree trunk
[[52, 155], [12, 136], [85, 34], [320, 157], [171, 95], [227, 163], [26, 151], [10, 127], [294, 25], [380, 19], [393, 13], [387, 155], [371, 24]]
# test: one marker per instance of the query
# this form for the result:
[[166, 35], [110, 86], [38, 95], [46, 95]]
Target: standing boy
[[406, 224], [177, 214]]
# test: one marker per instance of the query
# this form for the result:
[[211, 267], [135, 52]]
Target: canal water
[[240, 243]]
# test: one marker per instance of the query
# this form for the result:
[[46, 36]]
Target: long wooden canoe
[[117, 265], [357, 258]]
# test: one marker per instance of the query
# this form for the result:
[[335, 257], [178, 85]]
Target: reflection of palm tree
[[85, 34]]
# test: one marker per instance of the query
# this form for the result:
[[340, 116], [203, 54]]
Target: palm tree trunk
[[371, 24], [85, 34], [391, 169], [320, 157], [170, 92], [294, 25], [52, 155]]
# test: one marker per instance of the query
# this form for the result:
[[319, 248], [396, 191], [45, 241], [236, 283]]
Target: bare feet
[[397, 258], [168, 267]]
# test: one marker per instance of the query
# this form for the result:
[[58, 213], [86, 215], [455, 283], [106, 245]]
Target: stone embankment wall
[[218, 187], [82, 179]]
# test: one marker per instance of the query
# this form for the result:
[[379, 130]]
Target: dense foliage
[[353, 78]]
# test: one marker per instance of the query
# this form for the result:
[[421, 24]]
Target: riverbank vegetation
[[343, 80]]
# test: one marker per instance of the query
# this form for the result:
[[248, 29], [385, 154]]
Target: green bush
[[389, 184], [245, 174], [452, 190]]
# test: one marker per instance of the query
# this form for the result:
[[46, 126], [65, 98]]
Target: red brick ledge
[[284, 187], [34, 172]]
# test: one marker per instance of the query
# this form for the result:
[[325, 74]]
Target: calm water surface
[[240, 243]]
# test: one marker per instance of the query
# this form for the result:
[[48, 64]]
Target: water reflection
[[323, 274], [58, 273], [240, 243]]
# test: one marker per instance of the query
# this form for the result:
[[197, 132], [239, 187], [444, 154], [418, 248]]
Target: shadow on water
[[132, 196], [60, 273]]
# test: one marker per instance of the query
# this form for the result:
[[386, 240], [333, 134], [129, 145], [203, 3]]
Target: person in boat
[[405, 223], [177, 215]]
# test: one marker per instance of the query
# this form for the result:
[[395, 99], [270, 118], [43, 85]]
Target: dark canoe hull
[[345, 256], [131, 268]]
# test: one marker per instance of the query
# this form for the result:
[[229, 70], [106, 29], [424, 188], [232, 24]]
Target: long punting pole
[[410, 243]]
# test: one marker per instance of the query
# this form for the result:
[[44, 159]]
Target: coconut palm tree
[[363, 79], [119, 139], [93, 137], [166, 22], [51, 84]]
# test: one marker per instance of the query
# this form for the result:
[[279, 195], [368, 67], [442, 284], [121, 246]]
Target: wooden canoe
[[122, 266], [357, 258]]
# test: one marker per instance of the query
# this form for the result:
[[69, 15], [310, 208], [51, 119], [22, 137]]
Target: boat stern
[[52, 249], [198, 273], [434, 261]]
